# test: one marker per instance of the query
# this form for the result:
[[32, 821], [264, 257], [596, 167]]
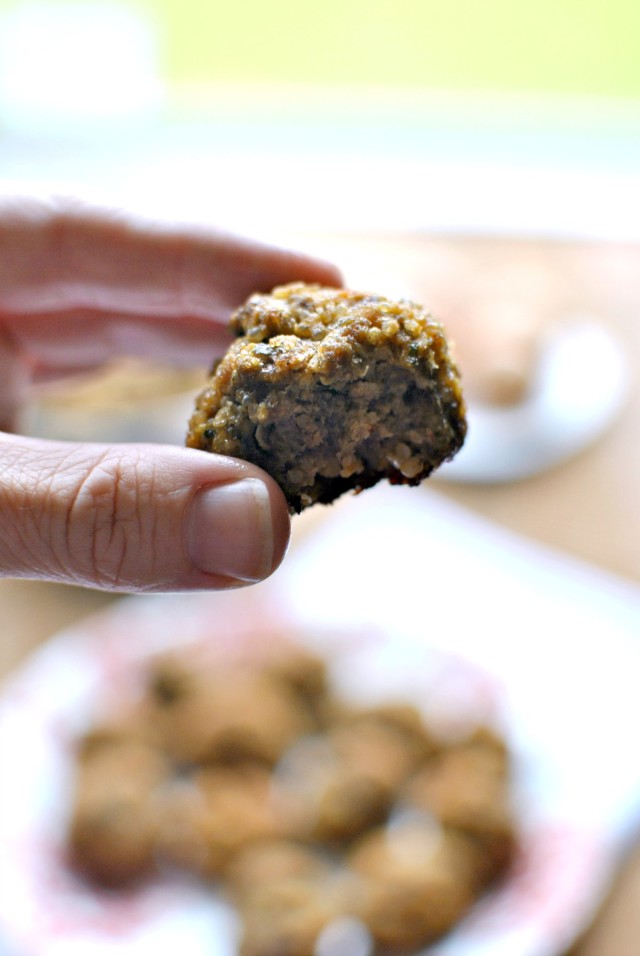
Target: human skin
[[80, 285]]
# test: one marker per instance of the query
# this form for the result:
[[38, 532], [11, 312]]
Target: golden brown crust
[[330, 390]]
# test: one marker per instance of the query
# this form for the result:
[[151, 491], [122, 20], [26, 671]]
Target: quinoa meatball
[[214, 815], [287, 917], [468, 790], [115, 821], [330, 390], [416, 884], [228, 715]]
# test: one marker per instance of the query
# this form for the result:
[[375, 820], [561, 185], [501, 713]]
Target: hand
[[79, 286]]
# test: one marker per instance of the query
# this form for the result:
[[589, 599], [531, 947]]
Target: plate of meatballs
[[198, 771]]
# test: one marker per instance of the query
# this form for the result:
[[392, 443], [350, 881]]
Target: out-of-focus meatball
[[329, 799], [287, 917], [467, 790], [228, 715], [267, 861], [115, 820], [416, 884], [210, 818]]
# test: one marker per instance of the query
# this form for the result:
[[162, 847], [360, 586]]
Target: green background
[[563, 46], [546, 46]]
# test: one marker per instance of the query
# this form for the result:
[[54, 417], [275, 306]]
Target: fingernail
[[231, 530]]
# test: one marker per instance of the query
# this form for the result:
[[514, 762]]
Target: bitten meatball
[[330, 390]]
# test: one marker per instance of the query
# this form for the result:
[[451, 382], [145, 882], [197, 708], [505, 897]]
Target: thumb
[[137, 517]]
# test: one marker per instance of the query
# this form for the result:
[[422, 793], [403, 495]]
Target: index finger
[[68, 268]]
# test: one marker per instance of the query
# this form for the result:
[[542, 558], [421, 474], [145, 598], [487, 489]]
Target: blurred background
[[481, 156], [481, 115]]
